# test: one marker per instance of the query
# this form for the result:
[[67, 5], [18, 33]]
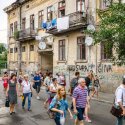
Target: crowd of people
[[56, 101]]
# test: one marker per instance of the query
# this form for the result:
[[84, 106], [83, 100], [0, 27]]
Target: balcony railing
[[27, 34], [76, 21]]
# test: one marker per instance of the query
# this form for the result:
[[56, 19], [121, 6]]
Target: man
[[80, 94], [37, 82], [73, 85], [120, 101]]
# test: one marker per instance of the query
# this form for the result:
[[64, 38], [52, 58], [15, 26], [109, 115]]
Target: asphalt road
[[99, 113]]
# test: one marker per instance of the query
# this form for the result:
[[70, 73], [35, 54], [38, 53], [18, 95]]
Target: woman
[[27, 91], [5, 81], [53, 88], [96, 86], [59, 105], [120, 101], [12, 93]]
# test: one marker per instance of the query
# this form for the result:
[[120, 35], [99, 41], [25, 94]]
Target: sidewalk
[[105, 97]]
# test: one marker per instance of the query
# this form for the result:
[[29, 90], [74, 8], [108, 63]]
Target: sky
[[3, 20]]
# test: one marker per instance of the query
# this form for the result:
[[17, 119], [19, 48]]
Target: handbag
[[34, 86], [7, 103], [116, 110]]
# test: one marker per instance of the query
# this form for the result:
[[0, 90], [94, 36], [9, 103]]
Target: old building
[[49, 35]]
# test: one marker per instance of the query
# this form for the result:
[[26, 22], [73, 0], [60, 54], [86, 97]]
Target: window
[[11, 29], [40, 16], [104, 4], [31, 47], [23, 48], [15, 49], [23, 23], [11, 50], [15, 26], [62, 8], [80, 5], [106, 52], [49, 13], [32, 22], [62, 50], [81, 48]]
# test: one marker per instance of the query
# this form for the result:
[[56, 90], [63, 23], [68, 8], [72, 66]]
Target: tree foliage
[[111, 30], [3, 56]]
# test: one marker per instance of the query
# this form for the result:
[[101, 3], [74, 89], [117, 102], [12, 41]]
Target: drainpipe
[[19, 44]]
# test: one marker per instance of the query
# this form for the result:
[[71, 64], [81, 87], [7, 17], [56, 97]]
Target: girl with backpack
[[59, 105]]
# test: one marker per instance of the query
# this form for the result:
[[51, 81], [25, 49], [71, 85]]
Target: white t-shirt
[[120, 95], [26, 86], [53, 86]]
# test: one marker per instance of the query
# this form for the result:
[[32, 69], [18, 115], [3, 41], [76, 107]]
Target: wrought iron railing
[[27, 33]]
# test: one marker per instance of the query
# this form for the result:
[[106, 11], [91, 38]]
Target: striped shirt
[[80, 94]]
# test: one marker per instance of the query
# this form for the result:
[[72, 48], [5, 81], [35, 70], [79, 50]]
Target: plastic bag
[[62, 120]]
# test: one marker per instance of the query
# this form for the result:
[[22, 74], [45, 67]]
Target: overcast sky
[[3, 20]]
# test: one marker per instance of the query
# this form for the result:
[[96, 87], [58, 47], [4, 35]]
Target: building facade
[[49, 35]]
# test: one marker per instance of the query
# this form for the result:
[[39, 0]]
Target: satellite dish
[[42, 45], [89, 41], [91, 28], [49, 40]]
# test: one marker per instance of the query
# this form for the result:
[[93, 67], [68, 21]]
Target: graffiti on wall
[[101, 68]]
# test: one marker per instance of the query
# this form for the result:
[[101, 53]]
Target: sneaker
[[84, 116], [88, 120], [38, 97], [29, 110]]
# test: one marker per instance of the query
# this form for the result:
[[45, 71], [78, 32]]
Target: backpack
[[74, 82]]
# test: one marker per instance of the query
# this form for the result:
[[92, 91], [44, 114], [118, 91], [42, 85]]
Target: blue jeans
[[29, 99], [57, 121], [120, 121]]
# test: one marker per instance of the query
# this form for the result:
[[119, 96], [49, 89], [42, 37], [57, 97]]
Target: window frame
[[24, 23], [81, 5], [61, 8], [49, 12], [62, 49], [11, 29], [11, 50], [32, 22], [40, 17], [15, 26], [104, 55], [23, 49], [31, 47], [15, 49], [82, 47]]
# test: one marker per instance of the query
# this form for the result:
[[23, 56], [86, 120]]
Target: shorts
[[80, 113], [96, 88], [37, 89]]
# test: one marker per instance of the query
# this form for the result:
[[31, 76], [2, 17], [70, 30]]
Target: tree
[[111, 30], [3, 56]]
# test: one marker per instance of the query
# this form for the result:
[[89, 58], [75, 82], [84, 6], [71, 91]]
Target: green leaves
[[112, 30]]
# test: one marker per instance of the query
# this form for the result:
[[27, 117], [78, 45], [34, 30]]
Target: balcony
[[77, 20], [27, 34]]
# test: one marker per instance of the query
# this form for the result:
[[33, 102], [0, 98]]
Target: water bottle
[[62, 120], [75, 116]]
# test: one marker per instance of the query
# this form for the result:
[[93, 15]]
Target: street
[[100, 113]]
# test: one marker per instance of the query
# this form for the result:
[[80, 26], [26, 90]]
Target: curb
[[104, 101]]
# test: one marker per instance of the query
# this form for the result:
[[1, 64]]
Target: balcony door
[[32, 22], [80, 5]]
